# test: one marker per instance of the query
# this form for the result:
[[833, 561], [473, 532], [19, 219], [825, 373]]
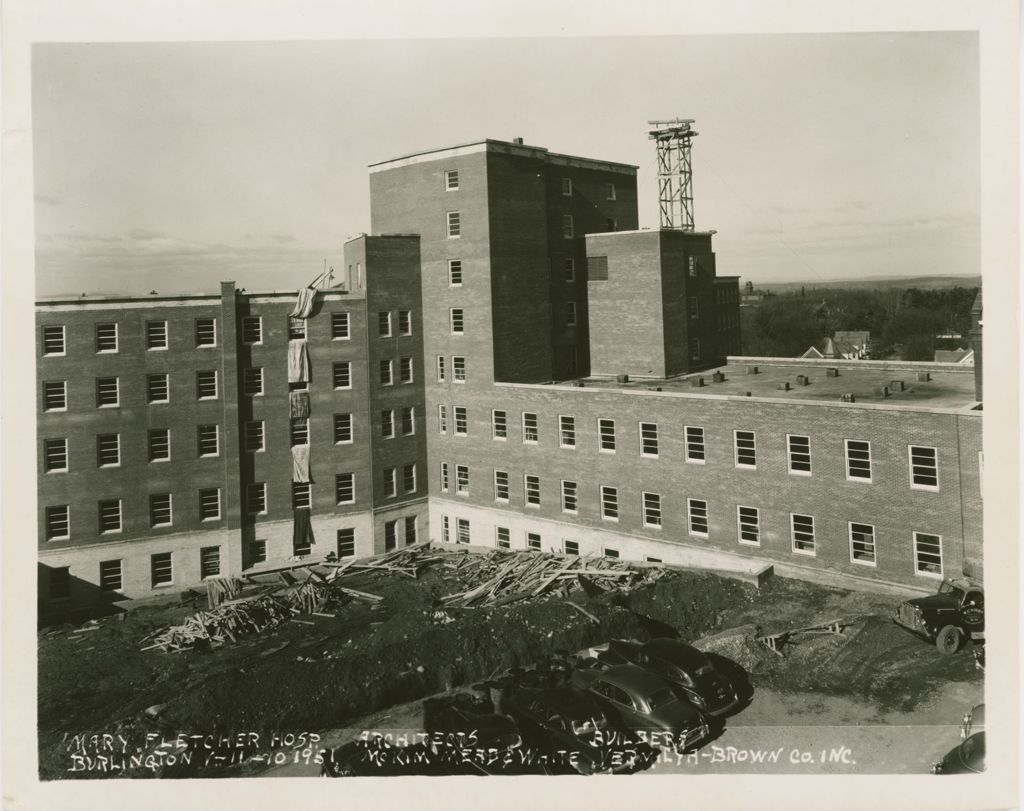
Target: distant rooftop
[[951, 387]]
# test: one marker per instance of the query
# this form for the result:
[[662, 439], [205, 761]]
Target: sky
[[820, 157]]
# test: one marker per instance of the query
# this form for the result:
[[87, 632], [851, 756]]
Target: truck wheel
[[948, 639]]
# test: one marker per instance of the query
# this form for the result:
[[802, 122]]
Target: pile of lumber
[[408, 562], [506, 577]]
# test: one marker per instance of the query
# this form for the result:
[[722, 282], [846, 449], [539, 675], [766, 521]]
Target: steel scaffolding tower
[[675, 175]]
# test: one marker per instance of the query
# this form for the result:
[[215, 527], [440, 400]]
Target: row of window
[[923, 460], [458, 372], [455, 271], [451, 183], [387, 372]]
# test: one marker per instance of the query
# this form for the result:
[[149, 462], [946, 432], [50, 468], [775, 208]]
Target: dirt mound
[[739, 645]]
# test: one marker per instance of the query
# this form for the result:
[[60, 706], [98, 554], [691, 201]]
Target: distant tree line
[[903, 323]]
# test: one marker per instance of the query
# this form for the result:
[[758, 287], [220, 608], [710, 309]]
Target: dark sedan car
[[644, 703], [562, 719], [967, 758], [683, 666]]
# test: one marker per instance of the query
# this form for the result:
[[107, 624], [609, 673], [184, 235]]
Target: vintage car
[[687, 669], [644, 703], [955, 612], [966, 758], [562, 719]]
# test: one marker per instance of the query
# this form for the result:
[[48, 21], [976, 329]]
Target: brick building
[[510, 363]]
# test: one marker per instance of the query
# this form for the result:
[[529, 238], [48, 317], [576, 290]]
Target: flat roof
[[505, 147], [951, 386], [652, 231], [179, 298]]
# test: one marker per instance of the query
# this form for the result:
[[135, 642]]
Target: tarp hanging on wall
[[304, 303], [298, 405], [300, 463], [302, 532], [298, 361]]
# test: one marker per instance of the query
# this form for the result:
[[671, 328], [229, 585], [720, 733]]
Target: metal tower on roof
[[675, 175]]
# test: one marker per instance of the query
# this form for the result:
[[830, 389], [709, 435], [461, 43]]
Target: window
[[209, 439], [156, 335], [924, 468], [461, 421], [384, 324], [110, 575], [55, 395], [58, 523], [695, 349], [345, 488], [405, 322], [530, 433], [533, 541], [458, 369], [532, 489], [606, 435], [161, 569], [691, 266], [698, 514], [445, 530], [570, 313], [346, 542], [296, 329], [597, 268], [927, 555], [567, 187], [462, 530], [257, 551], [252, 329], [746, 449], [502, 538], [106, 337], [694, 444], [254, 436], [862, 544], [405, 370], [386, 374], [570, 547], [444, 477], [110, 515], [53, 340], [108, 450], [799, 454], [342, 428], [160, 445], [454, 225], [410, 530], [455, 273], [209, 504], [409, 477], [300, 431], [451, 180], [649, 559], [256, 498], [60, 583], [206, 385], [609, 224], [693, 306], [55, 455], [499, 425], [457, 321], [342, 374], [408, 420], [158, 389], [610, 503], [610, 553], [569, 269], [649, 439], [442, 419], [160, 510], [462, 480], [802, 527], [252, 382], [206, 332], [440, 368], [567, 228], [749, 525], [568, 497], [302, 495], [609, 191], [107, 392], [339, 326], [501, 486], [390, 482], [858, 460], [567, 432], [209, 562], [651, 509]]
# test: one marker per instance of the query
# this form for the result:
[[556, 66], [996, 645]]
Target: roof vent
[[517, 141], [897, 385], [621, 378], [696, 382], [924, 377], [718, 377], [882, 391], [848, 398], [783, 386], [832, 371], [751, 370], [802, 380]]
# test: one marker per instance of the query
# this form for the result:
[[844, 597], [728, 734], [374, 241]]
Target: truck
[[955, 612]]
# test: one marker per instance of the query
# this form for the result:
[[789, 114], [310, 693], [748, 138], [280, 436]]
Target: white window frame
[[502, 541], [533, 541], [405, 329], [249, 376], [603, 435], [56, 442], [453, 224], [255, 429], [934, 467], [200, 383], [691, 515], [813, 551], [405, 370], [149, 445], [465, 420], [48, 517], [529, 491], [568, 227], [152, 347], [117, 392], [874, 545], [744, 524], [650, 509], [390, 482], [609, 503], [570, 313], [535, 428], [216, 492], [499, 433], [120, 516], [918, 552], [63, 340], [440, 369], [153, 523], [691, 444], [498, 484], [459, 369], [163, 584], [569, 270], [341, 423], [570, 495], [341, 322], [299, 432], [442, 419], [455, 271], [462, 480], [199, 440], [213, 323], [247, 321], [335, 368], [846, 453], [409, 468], [387, 423], [461, 320], [100, 450], [302, 495], [793, 455], [570, 547], [63, 395], [445, 482], [384, 324], [117, 339], [646, 441], [567, 435], [566, 184], [386, 370], [451, 180], [737, 451], [256, 493], [462, 530], [609, 191]]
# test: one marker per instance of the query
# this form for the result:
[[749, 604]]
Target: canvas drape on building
[[298, 402], [300, 463], [298, 361]]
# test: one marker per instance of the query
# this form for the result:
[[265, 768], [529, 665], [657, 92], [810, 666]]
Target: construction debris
[[776, 642]]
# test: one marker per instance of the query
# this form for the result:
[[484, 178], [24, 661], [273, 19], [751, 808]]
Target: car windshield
[[660, 698], [949, 588]]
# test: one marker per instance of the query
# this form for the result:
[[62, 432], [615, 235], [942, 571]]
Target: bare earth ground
[[877, 690]]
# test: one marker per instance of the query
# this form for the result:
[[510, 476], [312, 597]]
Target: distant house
[[962, 356], [845, 345]]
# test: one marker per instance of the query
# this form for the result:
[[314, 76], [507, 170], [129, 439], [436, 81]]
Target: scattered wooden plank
[[583, 611]]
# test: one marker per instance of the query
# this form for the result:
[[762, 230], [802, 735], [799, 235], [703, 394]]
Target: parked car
[[562, 719], [965, 758], [955, 612], [687, 669], [643, 702]]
